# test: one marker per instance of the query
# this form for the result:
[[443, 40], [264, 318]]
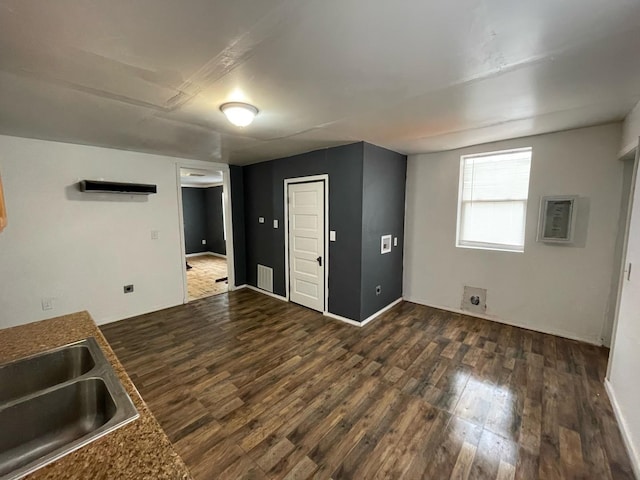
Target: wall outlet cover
[[128, 289], [385, 244], [474, 299], [47, 304], [275, 224], [260, 219], [332, 235]]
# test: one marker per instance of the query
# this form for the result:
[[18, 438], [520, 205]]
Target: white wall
[[81, 249], [555, 289], [630, 131]]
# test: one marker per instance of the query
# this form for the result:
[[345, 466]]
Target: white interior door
[[306, 244], [625, 354]]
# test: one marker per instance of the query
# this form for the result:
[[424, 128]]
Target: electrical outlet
[[332, 236], [47, 303], [204, 242], [395, 241], [275, 224], [260, 219], [378, 289], [128, 289], [155, 234]]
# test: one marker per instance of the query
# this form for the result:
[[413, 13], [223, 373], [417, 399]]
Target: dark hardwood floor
[[247, 386]]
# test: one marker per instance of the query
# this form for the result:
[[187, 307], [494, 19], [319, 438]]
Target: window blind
[[493, 196]]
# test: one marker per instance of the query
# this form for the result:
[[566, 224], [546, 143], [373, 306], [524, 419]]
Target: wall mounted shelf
[[100, 186]]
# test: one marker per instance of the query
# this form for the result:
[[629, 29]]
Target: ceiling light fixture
[[238, 113]]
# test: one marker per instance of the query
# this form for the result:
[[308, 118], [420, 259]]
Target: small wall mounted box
[[557, 219]]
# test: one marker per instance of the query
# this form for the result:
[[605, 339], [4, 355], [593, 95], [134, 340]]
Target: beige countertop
[[138, 450]]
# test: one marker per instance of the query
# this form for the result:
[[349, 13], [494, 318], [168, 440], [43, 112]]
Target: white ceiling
[[410, 75]]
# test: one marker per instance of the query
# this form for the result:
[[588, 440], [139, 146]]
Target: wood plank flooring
[[247, 386], [201, 278]]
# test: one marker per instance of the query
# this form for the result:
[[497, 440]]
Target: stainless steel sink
[[56, 402], [38, 372]]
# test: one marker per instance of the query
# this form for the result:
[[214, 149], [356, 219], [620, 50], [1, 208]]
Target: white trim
[[240, 287], [623, 264], [342, 319], [493, 318], [498, 247], [226, 193], [634, 456], [366, 320], [203, 185], [313, 178], [264, 292], [213, 254]]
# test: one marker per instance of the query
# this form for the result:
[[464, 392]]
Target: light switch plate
[[332, 235]]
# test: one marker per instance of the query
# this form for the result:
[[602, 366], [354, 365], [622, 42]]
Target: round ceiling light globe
[[239, 114]]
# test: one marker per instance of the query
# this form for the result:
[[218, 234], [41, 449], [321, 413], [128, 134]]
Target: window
[[492, 201]]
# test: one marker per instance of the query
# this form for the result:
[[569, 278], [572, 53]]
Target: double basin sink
[[55, 402]]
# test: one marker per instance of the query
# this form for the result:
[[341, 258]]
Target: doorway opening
[[306, 241], [205, 232]]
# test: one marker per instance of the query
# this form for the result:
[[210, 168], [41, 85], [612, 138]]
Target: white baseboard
[[355, 323], [633, 454], [189, 255], [264, 292], [548, 331], [213, 254], [366, 320]]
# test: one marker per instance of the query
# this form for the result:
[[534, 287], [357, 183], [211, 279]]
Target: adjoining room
[[205, 232]]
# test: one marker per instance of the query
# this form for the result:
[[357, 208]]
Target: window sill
[[493, 248]]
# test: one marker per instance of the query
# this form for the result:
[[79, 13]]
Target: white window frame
[[486, 245]]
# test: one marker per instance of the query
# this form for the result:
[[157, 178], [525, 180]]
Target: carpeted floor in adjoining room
[[201, 279]]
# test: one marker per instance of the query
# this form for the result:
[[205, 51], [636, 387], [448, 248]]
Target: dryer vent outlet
[[474, 299]]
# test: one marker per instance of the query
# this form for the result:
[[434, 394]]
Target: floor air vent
[[265, 278]]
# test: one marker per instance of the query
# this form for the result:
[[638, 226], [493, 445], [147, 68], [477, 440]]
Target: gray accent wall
[[349, 200], [383, 198], [264, 197], [215, 220], [195, 227], [236, 175], [203, 220]]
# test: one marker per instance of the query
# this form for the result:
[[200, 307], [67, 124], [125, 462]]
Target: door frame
[[312, 178], [228, 219], [623, 266]]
